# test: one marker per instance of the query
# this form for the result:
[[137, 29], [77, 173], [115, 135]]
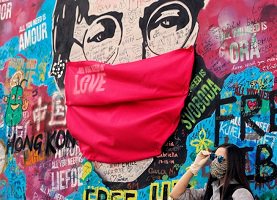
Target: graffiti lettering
[[197, 79], [91, 69], [64, 179], [263, 94], [219, 118], [102, 193], [273, 110], [39, 113], [250, 28], [269, 168], [157, 192], [5, 11], [18, 130], [53, 141], [58, 110], [164, 191], [240, 51], [32, 36], [18, 144], [65, 152], [203, 98], [55, 138], [239, 90], [254, 106]]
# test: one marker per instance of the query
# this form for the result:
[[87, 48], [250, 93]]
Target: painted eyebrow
[[91, 18], [168, 13]]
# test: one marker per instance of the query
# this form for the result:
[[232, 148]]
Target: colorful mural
[[233, 96]]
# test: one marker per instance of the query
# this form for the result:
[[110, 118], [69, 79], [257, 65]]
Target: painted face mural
[[232, 94], [106, 34], [116, 35]]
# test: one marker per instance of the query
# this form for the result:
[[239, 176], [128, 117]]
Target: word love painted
[[89, 83]]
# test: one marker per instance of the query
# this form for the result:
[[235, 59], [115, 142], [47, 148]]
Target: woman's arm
[[200, 160], [181, 185]]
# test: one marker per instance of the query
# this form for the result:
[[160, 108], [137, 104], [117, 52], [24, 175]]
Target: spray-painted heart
[[252, 104]]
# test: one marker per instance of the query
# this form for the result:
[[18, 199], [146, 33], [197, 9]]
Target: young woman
[[227, 177]]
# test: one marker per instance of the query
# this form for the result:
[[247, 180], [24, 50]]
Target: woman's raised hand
[[200, 160]]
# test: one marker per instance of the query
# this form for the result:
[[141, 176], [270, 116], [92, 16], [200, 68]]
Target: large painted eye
[[168, 27], [168, 22], [107, 31], [103, 37]]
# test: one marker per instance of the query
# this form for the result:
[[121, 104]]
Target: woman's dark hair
[[235, 171]]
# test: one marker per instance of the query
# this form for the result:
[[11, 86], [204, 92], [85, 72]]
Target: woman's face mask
[[218, 166]]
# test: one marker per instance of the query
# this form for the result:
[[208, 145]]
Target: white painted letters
[[89, 83]]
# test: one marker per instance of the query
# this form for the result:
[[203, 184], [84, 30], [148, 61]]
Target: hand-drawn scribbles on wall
[[121, 172]]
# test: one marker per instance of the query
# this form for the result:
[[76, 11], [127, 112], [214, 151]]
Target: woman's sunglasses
[[220, 159]]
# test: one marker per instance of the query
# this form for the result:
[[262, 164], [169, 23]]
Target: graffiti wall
[[232, 96]]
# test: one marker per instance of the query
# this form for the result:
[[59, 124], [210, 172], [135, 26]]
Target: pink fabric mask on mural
[[126, 112]]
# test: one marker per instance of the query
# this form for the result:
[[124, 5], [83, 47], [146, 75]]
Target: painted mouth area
[[14, 106]]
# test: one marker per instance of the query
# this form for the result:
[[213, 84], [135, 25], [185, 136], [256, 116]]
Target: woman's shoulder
[[242, 193]]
